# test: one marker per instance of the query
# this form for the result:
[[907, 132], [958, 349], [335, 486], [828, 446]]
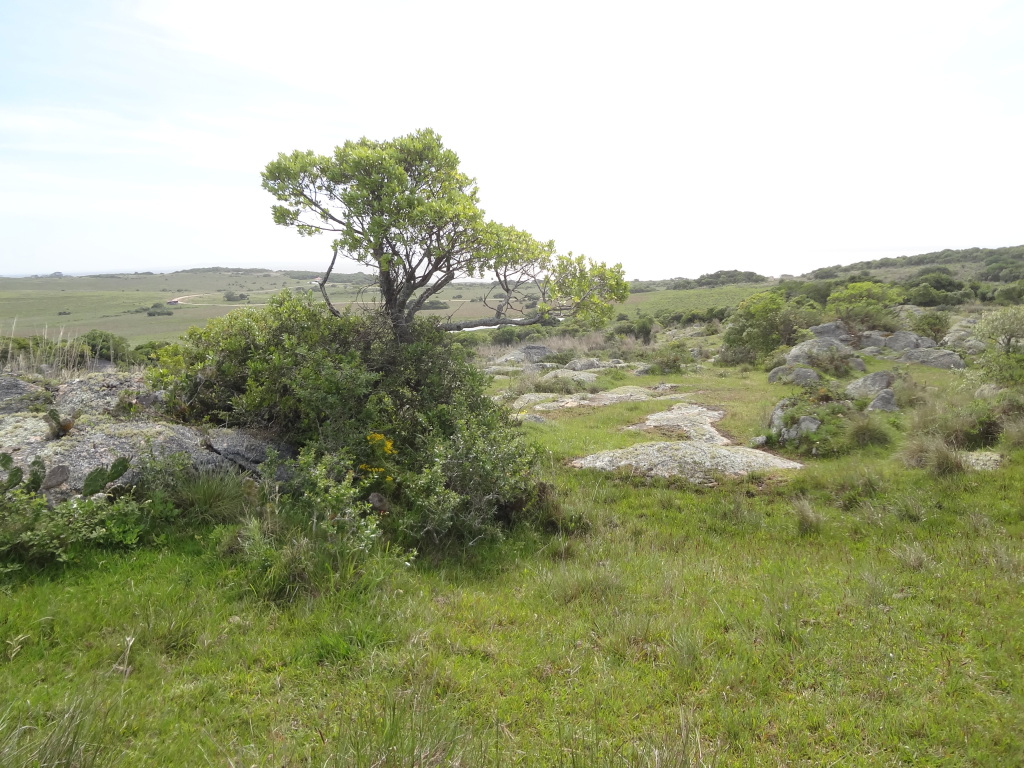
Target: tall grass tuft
[[808, 521], [933, 454], [65, 741]]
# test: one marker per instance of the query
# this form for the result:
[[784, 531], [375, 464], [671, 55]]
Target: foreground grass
[[888, 633], [857, 613]]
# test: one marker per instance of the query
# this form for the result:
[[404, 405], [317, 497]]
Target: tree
[[1004, 326], [865, 305], [404, 209], [765, 321]]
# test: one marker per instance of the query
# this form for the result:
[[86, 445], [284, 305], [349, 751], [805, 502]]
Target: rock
[[534, 418], [534, 353], [904, 340], [793, 374], [56, 476], [981, 460], [643, 369], [501, 370], [697, 462], [694, 421], [99, 393], [245, 449], [17, 395], [534, 367], [836, 330], [807, 425], [530, 399], [582, 377], [776, 420], [935, 358], [805, 352], [583, 364], [872, 339], [856, 364], [870, 385], [759, 441], [883, 401]]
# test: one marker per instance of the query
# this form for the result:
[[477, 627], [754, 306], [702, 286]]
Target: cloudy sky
[[675, 137]]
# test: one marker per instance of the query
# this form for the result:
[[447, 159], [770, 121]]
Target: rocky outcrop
[[806, 352], [104, 423], [901, 341], [17, 395], [698, 462], [883, 401], [583, 377], [836, 330], [870, 385], [935, 358], [691, 421], [793, 374]]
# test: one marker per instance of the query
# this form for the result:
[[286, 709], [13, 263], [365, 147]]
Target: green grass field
[[854, 613]]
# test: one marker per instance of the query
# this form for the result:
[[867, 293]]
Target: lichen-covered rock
[[805, 352], [501, 370], [793, 374], [884, 401], [837, 330], [856, 364], [935, 358], [99, 393], [698, 462], [245, 449], [901, 341], [17, 395], [534, 353], [870, 385], [692, 420], [583, 377], [583, 364], [530, 399]]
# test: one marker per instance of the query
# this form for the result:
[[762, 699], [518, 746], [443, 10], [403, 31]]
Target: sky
[[676, 138]]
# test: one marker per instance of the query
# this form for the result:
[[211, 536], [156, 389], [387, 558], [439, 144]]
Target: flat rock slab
[[698, 462], [694, 421], [981, 460], [584, 377]]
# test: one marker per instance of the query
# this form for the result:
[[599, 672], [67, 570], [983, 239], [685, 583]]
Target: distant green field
[[697, 299], [71, 306]]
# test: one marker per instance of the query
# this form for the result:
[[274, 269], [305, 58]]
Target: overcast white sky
[[677, 138]]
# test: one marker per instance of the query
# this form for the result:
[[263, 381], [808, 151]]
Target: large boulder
[[935, 358], [837, 330], [806, 352], [884, 401], [534, 353], [101, 393], [793, 374], [584, 364], [870, 385], [873, 339], [904, 340]]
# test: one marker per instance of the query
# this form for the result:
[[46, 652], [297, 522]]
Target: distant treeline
[[997, 265], [715, 279]]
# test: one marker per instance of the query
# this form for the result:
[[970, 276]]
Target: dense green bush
[[764, 322], [411, 418]]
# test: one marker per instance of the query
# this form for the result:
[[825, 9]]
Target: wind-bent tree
[[404, 209]]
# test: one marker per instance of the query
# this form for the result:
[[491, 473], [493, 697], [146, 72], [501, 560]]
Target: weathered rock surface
[[805, 352], [884, 401], [17, 395], [870, 385], [698, 462], [901, 341], [96, 437], [501, 370], [583, 364], [981, 460], [793, 374], [583, 377], [836, 330], [531, 353], [935, 358], [693, 421]]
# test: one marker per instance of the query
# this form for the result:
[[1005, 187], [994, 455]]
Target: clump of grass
[[864, 430], [933, 454], [66, 740], [808, 521], [912, 556], [1013, 433]]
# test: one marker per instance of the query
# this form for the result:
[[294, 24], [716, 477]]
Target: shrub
[[933, 325], [831, 361], [865, 305], [864, 430], [330, 383]]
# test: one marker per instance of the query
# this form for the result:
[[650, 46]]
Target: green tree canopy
[[405, 209]]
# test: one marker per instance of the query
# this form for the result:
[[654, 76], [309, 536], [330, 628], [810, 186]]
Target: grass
[[860, 613]]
